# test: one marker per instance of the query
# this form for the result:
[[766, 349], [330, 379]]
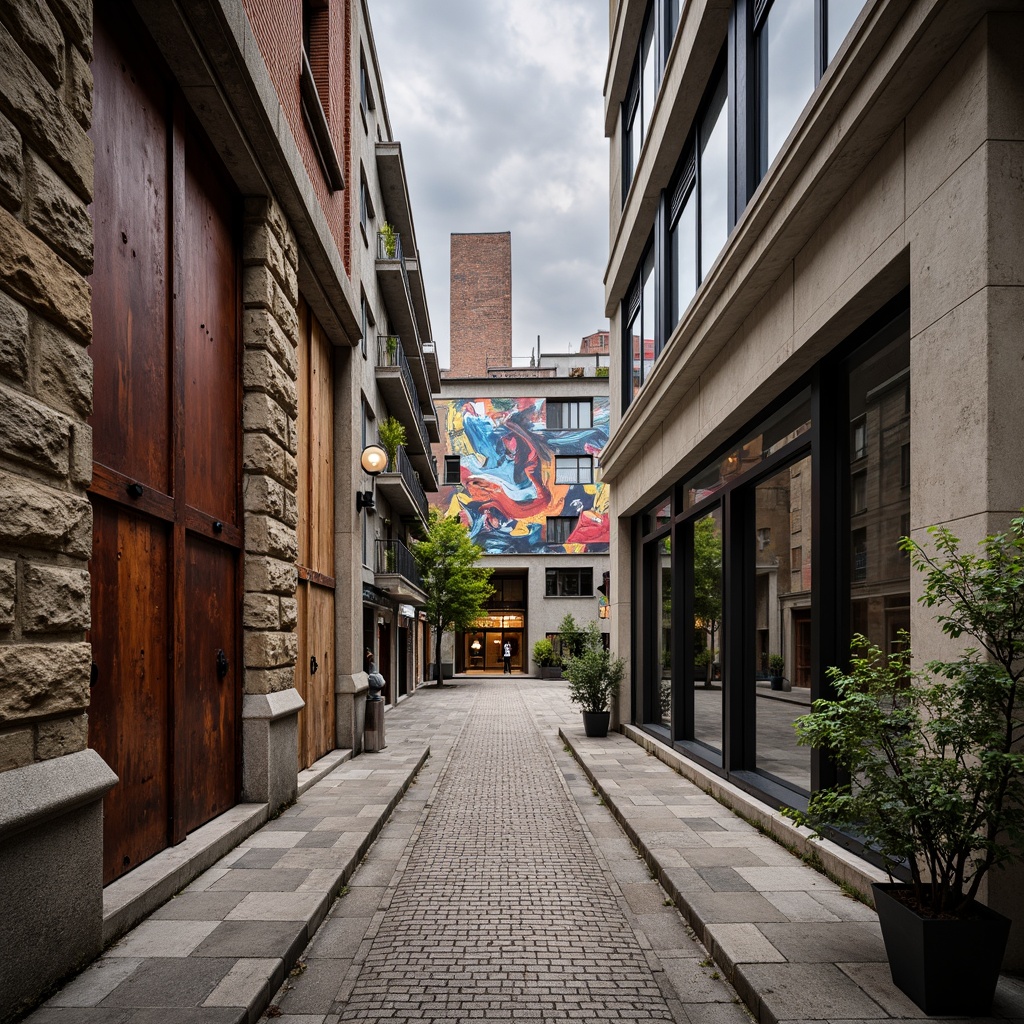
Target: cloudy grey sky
[[498, 107]]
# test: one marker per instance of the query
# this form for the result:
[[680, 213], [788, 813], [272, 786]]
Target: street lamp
[[374, 460]]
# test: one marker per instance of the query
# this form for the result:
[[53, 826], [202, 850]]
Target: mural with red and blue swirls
[[507, 489]]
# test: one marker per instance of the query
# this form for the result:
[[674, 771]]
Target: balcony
[[395, 572], [402, 489], [403, 312], [395, 383]]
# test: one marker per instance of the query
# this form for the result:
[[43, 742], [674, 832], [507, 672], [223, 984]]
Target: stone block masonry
[[51, 785], [46, 249], [270, 328]]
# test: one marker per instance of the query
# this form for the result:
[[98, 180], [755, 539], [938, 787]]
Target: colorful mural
[[508, 490]]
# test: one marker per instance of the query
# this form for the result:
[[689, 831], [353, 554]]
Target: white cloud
[[499, 111]]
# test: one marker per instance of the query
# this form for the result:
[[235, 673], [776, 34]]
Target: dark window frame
[[562, 405], [556, 581], [557, 529], [452, 462]]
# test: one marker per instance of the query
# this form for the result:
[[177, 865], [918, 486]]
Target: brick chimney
[[481, 303]]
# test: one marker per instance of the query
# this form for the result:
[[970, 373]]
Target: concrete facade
[[234, 69], [900, 176], [527, 552]]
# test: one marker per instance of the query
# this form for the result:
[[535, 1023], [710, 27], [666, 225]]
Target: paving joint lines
[[795, 946]]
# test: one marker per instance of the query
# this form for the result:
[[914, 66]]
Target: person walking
[[507, 654]]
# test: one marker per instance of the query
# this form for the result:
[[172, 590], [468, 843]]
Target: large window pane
[[708, 632], [647, 74], [782, 620], [663, 711], [787, 73], [841, 16], [714, 180], [879, 494], [648, 315], [684, 257]]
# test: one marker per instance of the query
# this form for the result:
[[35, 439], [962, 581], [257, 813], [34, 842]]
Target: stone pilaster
[[270, 478]]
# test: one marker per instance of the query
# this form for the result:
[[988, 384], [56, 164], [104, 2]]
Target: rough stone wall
[[481, 303], [46, 180], [270, 333]]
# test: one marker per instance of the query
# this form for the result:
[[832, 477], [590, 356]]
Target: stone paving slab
[[214, 953], [794, 945]]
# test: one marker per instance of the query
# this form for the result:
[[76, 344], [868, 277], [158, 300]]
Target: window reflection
[[664, 610], [879, 510], [782, 619], [786, 53], [708, 636], [684, 256], [840, 16], [714, 179], [771, 436], [640, 330]]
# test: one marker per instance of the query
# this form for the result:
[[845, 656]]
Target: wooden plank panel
[[208, 717], [210, 294], [303, 431], [320, 705], [130, 297], [130, 708], [302, 669], [321, 387]]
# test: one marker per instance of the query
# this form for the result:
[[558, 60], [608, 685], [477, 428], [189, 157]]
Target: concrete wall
[[923, 187]]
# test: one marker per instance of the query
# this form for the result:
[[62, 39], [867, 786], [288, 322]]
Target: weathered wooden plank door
[[166, 459], [314, 670]]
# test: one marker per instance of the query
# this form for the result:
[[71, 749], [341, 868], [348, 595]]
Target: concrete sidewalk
[[793, 943], [233, 944]]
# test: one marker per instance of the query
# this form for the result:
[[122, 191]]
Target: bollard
[[373, 740]]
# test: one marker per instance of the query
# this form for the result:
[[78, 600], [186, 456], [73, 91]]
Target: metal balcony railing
[[391, 353], [394, 557], [403, 466]]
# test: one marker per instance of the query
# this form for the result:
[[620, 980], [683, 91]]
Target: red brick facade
[[278, 31], [481, 303]]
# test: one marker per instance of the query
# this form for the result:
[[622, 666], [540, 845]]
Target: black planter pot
[[595, 723], [776, 682], [949, 968]]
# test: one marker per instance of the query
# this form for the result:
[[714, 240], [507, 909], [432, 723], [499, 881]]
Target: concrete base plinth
[[350, 711], [270, 748], [374, 739], [51, 864]]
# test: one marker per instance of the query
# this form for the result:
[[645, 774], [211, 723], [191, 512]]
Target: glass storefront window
[[708, 632], [782, 619], [879, 498], [664, 666], [769, 437]]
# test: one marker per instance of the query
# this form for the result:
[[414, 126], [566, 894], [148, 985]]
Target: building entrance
[[485, 643]]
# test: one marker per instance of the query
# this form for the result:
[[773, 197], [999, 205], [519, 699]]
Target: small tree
[[456, 587], [570, 637], [392, 435], [593, 675]]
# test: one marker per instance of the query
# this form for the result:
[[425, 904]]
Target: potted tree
[[546, 660], [937, 771], [776, 666], [389, 237], [392, 436], [593, 680]]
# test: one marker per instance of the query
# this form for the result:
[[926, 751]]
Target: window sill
[[316, 121]]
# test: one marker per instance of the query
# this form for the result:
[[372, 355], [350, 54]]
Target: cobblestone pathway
[[503, 911]]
